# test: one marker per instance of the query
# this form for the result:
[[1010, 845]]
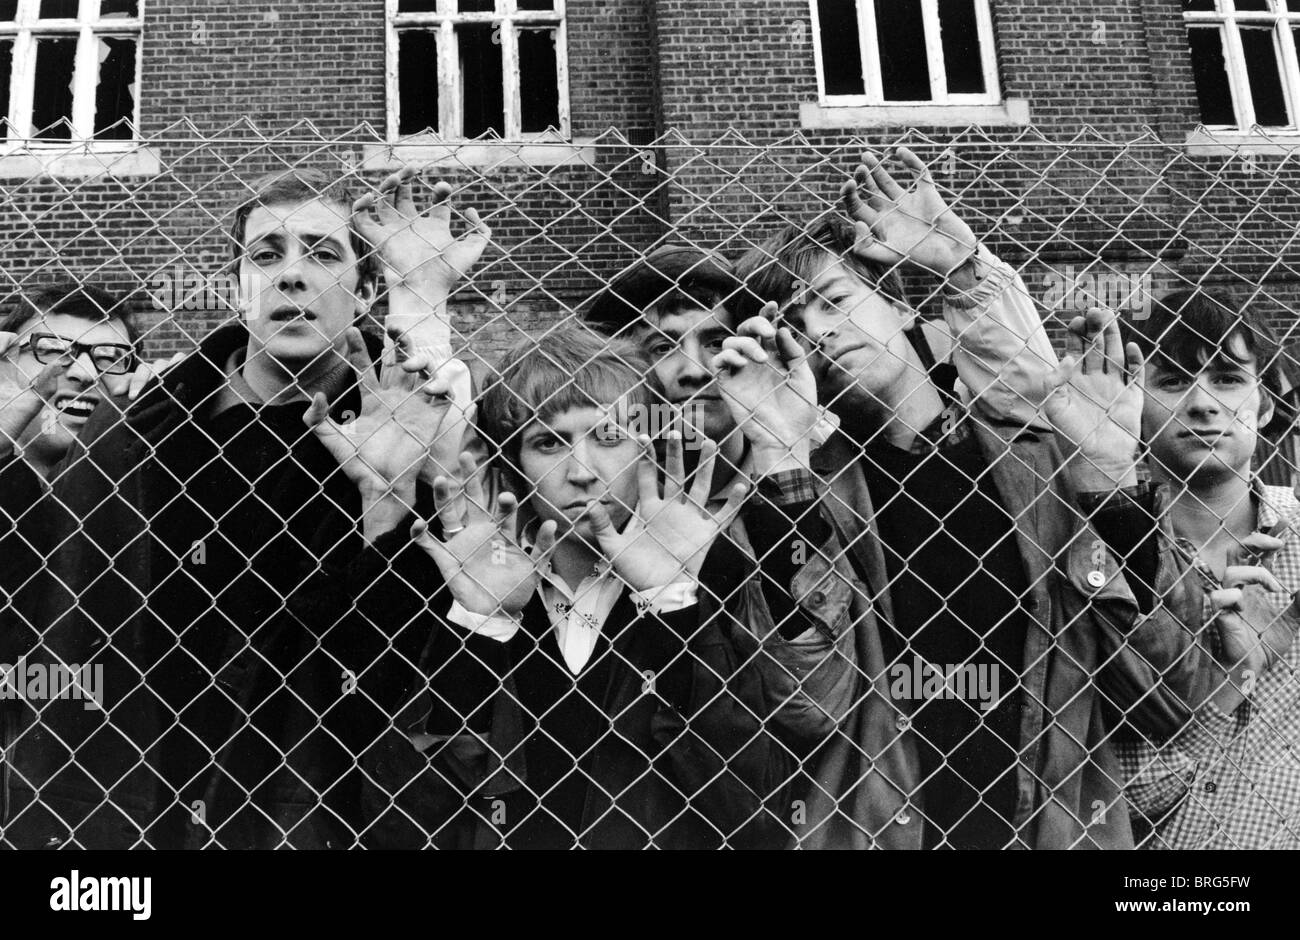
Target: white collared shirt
[[579, 615]]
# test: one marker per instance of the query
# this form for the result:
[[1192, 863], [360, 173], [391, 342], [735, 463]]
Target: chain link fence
[[653, 493]]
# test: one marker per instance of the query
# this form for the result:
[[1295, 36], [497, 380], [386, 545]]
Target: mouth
[[839, 354], [1204, 434], [289, 314], [580, 506], [78, 407]]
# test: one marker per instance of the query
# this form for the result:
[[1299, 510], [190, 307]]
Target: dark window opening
[[837, 22], [59, 9], [1210, 70], [962, 63], [417, 81], [118, 9], [52, 100], [476, 6], [8, 9], [115, 94], [900, 39], [536, 5], [1265, 77], [6, 69], [482, 88], [417, 6], [539, 80]]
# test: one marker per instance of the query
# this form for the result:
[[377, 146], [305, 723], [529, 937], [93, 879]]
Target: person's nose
[[1201, 400], [578, 469], [692, 370], [292, 277], [82, 370]]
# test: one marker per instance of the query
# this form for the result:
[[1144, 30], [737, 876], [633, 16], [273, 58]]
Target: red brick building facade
[[1075, 143]]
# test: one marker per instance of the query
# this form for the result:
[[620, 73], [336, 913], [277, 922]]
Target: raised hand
[[1255, 630], [146, 372], [418, 251], [769, 387], [913, 226], [422, 264], [383, 449], [668, 537], [1094, 403], [479, 555], [21, 398]]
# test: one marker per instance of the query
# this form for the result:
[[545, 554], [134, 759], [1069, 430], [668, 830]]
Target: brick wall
[[1102, 172]]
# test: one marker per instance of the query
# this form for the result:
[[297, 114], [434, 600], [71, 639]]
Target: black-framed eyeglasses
[[109, 358]]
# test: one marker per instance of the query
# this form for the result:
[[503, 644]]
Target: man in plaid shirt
[[1231, 779]]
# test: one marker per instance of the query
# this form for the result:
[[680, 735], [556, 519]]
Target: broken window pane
[[118, 9], [837, 23], [1211, 74], [417, 81], [900, 37], [961, 47], [6, 69], [482, 91], [115, 94], [59, 9], [539, 84], [1265, 79], [52, 100], [8, 9], [417, 6]]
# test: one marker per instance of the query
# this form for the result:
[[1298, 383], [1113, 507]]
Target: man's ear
[[1266, 408], [906, 315], [367, 291]]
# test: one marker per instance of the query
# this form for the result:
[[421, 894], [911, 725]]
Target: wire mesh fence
[[895, 492]]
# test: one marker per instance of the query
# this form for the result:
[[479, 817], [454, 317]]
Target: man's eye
[[327, 254], [546, 445], [1230, 378], [660, 348], [263, 256], [714, 343]]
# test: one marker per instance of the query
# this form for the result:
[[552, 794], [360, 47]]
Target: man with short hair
[[961, 523], [1227, 781], [197, 512]]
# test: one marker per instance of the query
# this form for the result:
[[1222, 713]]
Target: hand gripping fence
[[898, 492]]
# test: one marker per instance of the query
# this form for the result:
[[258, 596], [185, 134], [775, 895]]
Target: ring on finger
[[450, 532]]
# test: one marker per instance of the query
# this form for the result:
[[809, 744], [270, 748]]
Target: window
[[1243, 56], [904, 52], [460, 69], [68, 69]]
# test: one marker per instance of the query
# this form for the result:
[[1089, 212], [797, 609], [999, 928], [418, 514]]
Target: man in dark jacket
[[979, 547], [196, 512]]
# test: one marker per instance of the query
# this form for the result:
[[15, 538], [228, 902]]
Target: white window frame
[[88, 28], [443, 23], [934, 51], [1230, 20]]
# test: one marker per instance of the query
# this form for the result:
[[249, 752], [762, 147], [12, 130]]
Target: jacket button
[[1210, 786], [902, 722], [1031, 603], [817, 598], [1096, 578], [903, 817]]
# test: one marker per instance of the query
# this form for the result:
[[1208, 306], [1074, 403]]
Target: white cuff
[[666, 599], [493, 626]]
